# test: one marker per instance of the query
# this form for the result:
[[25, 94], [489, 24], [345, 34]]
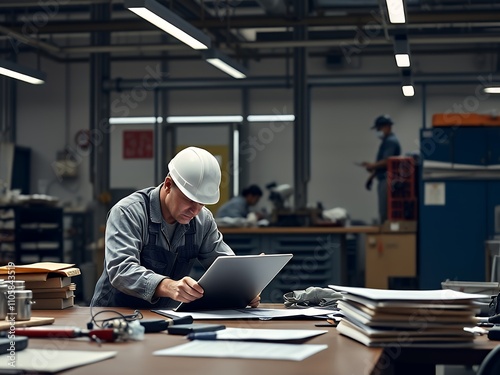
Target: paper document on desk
[[383, 295], [242, 349], [258, 334], [51, 361], [249, 313]]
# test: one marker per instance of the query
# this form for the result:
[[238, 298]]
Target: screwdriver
[[101, 334]]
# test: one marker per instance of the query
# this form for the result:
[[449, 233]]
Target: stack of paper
[[377, 317], [50, 282]]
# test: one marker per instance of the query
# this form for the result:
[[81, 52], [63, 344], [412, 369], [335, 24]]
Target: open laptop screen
[[231, 282]]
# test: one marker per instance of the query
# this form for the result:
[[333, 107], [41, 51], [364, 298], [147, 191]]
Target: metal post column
[[99, 117], [301, 108]]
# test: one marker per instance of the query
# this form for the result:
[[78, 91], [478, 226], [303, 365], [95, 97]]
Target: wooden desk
[[343, 355]]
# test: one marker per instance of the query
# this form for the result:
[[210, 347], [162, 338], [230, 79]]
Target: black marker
[[202, 336]]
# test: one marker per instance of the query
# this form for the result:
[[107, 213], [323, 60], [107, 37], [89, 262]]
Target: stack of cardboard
[[379, 317], [50, 282]]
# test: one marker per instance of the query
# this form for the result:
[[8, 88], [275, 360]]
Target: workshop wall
[[50, 116]]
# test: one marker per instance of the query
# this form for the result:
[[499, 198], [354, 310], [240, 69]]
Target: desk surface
[[343, 355]]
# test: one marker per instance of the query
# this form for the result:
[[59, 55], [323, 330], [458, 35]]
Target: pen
[[202, 336]]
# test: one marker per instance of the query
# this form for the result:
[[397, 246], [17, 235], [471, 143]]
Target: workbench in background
[[321, 255]]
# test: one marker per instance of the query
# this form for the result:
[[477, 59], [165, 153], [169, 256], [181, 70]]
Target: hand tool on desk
[[99, 334], [158, 325]]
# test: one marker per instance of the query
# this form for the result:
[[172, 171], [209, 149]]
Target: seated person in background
[[154, 235], [240, 206]]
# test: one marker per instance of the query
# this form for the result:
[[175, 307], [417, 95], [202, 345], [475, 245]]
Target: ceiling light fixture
[[492, 90], [169, 22], [407, 84], [225, 63], [396, 10], [402, 51], [135, 120], [13, 70], [270, 118], [203, 119]]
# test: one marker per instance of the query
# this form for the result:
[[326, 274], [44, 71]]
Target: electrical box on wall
[[65, 166]]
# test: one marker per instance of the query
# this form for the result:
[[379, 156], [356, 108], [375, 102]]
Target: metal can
[[3, 301], [18, 284], [20, 309]]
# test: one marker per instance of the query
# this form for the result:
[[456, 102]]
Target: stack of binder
[[50, 283], [377, 317]]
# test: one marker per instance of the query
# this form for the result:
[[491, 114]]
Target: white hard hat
[[196, 172]]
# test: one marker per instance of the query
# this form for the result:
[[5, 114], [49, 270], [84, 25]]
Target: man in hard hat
[[388, 147], [154, 235], [240, 205]]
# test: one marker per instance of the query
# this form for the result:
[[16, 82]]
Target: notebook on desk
[[231, 282]]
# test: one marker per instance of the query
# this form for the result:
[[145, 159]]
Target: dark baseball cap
[[381, 121]]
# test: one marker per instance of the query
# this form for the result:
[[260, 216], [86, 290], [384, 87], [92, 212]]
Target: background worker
[[240, 205], [154, 235], [388, 147]]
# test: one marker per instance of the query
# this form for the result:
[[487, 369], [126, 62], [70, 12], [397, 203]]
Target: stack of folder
[[50, 283], [377, 317]]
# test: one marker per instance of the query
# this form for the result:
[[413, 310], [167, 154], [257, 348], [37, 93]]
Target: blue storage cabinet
[[493, 209], [452, 236], [470, 146], [436, 144], [473, 146], [494, 147]]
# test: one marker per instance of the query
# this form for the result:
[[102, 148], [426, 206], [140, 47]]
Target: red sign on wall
[[138, 144]]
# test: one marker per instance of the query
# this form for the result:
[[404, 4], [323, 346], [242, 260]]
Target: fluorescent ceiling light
[[396, 10], [169, 22], [402, 51], [135, 120], [225, 63], [402, 60], [270, 118], [202, 119], [492, 90], [13, 70], [408, 90], [407, 83]]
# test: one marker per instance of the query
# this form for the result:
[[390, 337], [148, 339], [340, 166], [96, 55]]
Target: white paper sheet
[[248, 313], [52, 361], [442, 295], [266, 334], [242, 349]]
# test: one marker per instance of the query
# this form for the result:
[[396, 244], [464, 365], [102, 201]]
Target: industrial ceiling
[[248, 29]]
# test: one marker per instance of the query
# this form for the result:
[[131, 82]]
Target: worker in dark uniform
[[388, 147], [240, 206]]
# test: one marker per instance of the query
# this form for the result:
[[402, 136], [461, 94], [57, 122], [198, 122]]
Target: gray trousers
[[382, 200]]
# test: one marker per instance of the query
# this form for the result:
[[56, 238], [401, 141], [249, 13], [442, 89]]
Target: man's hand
[[370, 167], [369, 183], [183, 290], [255, 302]]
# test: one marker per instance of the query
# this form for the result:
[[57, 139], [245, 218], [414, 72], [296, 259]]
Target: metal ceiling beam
[[280, 45], [313, 81], [358, 20]]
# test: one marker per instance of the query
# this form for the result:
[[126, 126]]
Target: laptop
[[231, 282]]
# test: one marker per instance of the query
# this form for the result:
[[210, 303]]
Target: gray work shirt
[[127, 233]]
